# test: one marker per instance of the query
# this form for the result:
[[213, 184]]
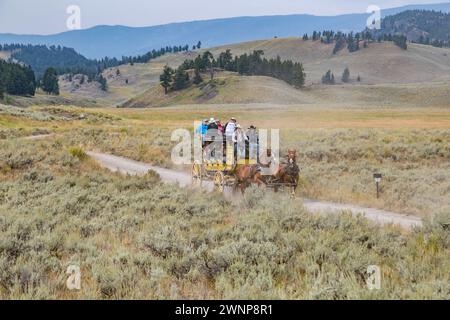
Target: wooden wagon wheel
[[196, 175], [219, 181]]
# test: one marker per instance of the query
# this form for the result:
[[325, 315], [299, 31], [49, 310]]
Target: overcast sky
[[49, 16]]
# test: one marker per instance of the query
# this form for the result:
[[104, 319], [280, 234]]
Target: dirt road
[[128, 166]]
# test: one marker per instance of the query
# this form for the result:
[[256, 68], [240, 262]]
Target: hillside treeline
[[354, 41], [245, 64], [421, 26], [417, 26], [67, 60], [16, 79]]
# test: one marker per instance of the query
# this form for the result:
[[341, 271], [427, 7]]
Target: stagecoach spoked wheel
[[219, 181], [196, 175]]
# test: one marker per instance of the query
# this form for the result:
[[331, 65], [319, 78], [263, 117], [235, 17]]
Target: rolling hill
[[387, 72], [116, 41]]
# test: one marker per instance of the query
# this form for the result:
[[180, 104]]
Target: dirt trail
[[132, 167]]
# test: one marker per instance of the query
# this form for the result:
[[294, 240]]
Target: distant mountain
[[426, 27], [116, 41]]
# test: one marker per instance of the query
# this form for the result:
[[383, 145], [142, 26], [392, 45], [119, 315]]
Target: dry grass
[[416, 77], [339, 149], [232, 89], [136, 238], [378, 64]]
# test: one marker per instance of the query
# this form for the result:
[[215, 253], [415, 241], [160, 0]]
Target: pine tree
[[166, 78], [208, 62], [400, 41], [103, 83], [346, 75], [340, 44], [197, 77], [315, 36], [50, 82], [181, 79], [2, 89], [328, 78], [298, 79]]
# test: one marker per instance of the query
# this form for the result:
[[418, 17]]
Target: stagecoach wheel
[[219, 181], [196, 175]]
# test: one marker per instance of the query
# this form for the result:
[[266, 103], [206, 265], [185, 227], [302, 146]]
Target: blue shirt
[[202, 129]]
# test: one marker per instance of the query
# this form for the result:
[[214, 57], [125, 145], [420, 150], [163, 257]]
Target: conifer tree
[[166, 78], [346, 75], [50, 82]]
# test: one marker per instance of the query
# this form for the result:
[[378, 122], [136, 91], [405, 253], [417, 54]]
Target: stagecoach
[[222, 174]]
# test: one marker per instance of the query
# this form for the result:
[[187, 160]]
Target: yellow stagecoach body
[[229, 165], [221, 172]]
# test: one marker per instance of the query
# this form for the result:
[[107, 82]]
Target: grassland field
[[135, 237], [339, 150]]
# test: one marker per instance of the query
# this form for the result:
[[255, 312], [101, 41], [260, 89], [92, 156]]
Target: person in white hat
[[230, 127], [239, 139]]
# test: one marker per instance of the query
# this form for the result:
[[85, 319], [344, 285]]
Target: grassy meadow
[[134, 237], [339, 150]]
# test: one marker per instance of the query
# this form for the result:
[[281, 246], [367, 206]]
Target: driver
[[266, 160]]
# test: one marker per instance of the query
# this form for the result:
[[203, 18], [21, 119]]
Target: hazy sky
[[49, 16]]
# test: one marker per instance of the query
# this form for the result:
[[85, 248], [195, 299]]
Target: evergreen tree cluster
[[398, 39], [67, 61], [352, 41], [246, 64], [328, 78], [16, 79], [103, 82], [421, 26], [341, 40], [41, 57], [49, 82], [252, 64]]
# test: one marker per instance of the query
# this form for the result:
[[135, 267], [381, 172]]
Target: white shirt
[[230, 128]]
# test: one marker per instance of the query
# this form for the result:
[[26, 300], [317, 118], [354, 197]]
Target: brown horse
[[245, 175], [288, 173]]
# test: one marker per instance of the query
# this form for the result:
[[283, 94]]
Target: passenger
[[239, 140], [230, 127], [212, 124], [253, 143], [220, 127], [202, 130]]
